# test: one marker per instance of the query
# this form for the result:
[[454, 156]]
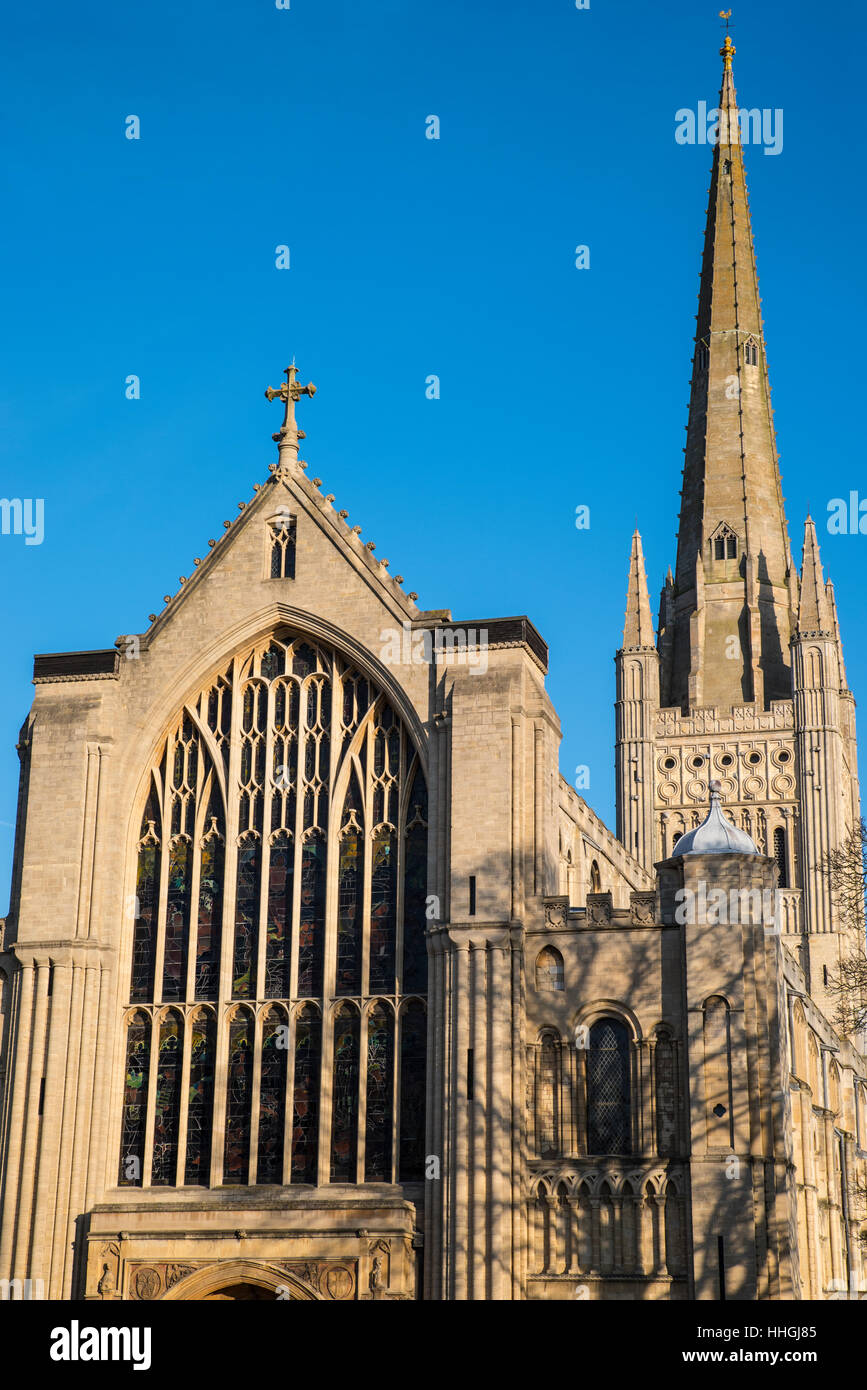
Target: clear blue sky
[[409, 257]]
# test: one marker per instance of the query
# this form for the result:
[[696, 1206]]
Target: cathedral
[[319, 981]]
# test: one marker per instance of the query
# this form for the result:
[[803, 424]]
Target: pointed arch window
[[167, 1100], [344, 1121], [724, 543], [135, 1099], [608, 1088], [703, 356], [280, 882], [595, 878], [239, 1097], [380, 1085], [780, 857], [305, 1095], [751, 352], [282, 536], [200, 1098], [272, 1097]]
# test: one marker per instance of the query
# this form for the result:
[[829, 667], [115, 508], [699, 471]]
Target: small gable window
[[725, 544], [281, 540], [751, 353]]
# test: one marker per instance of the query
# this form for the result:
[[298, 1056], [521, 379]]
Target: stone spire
[[732, 523], [638, 627], [815, 612]]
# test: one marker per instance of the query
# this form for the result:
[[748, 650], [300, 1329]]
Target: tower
[[748, 658]]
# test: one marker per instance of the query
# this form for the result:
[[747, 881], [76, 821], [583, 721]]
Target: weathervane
[[728, 49], [290, 392]]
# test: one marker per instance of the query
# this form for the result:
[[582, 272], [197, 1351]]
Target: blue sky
[[409, 257]]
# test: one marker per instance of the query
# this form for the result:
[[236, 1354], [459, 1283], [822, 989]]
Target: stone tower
[[748, 661]]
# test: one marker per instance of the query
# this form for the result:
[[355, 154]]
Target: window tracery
[[281, 883]]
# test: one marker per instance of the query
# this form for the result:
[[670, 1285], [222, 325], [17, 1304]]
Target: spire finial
[[728, 50], [290, 392]]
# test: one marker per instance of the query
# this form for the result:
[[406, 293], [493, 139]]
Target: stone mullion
[[255, 1099], [227, 938], [183, 1108], [361, 1143], [325, 1095], [288, 1123], [153, 1067]]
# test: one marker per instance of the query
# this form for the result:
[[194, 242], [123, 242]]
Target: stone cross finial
[[290, 392]]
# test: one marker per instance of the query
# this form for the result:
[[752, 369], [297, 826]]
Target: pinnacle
[[638, 627]]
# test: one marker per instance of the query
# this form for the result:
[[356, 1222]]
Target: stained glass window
[[344, 1095], [380, 1087], [383, 912], [277, 949], [311, 942], [305, 1117], [608, 1112], [167, 1101], [200, 1099], [413, 1051], [210, 911], [236, 1158], [350, 894], [177, 920], [272, 1097], [246, 921], [146, 900], [135, 1100], [242, 830]]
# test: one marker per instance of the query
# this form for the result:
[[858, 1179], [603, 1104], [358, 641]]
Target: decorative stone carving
[[556, 913], [643, 908], [599, 909], [146, 1283]]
